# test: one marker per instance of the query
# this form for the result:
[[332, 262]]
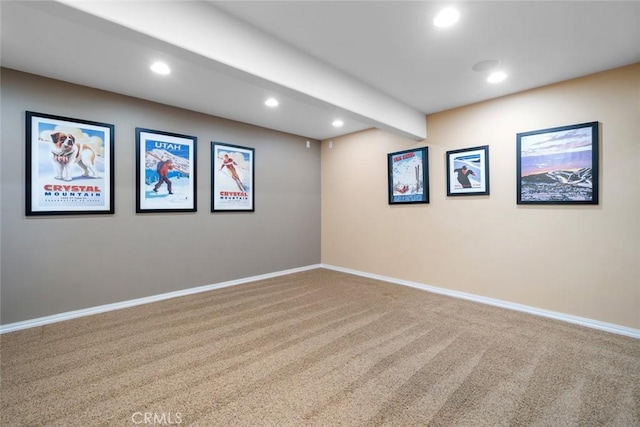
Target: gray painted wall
[[55, 264]]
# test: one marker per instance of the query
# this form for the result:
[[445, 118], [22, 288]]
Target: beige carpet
[[318, 348]]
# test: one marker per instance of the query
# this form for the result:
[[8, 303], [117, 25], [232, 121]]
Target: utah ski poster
[[408, 176], [69, 166], [166, 169], [232, 178]]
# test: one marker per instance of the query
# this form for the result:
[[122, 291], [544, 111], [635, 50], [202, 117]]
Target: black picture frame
[[232, 178], [468, 171], [408, 176], [558, 165], [166, 171], [69, 166]]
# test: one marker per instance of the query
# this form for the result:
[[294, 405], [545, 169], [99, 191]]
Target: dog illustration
[[66, 153]]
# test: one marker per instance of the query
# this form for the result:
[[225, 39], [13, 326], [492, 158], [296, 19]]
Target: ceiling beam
[[201, 28]]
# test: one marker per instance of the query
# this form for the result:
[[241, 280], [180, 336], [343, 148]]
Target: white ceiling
[[373, 64]]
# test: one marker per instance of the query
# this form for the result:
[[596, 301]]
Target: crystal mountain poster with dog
[[69, 166]]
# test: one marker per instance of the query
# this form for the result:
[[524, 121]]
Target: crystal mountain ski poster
[[69, 166], [232, 178]]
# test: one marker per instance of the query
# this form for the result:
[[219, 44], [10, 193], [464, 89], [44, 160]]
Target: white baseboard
[[40, 321], [589, 323]]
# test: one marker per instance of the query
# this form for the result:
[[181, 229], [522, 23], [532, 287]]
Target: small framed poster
[[558, 165], [468, 171], [69, 166], [232, 178], [408, 176], [166, 171]]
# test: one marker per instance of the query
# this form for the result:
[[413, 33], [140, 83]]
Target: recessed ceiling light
[[497, 77], [160, 68], [271, 102], [446, 17], [337, 123]]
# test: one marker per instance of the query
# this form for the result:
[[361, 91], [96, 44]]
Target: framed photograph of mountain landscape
[[166, 171], [558, 165], [408, 176], [232, 178], [468, 171], [69, 166]]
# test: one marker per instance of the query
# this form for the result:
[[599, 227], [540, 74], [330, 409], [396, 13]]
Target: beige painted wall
[[577, 260]]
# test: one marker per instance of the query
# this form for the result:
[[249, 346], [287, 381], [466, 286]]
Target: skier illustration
[[463, 178], [229, 163], [163, 167]]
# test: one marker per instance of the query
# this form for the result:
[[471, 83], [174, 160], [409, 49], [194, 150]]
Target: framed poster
[[232, 178], [408, 176], [166, 171], [558, 165], [69, 166], [468, 171]]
